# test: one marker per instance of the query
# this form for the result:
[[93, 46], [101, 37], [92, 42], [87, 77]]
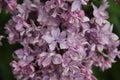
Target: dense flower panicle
[[60, 42]]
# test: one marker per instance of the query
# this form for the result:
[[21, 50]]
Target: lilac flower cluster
[[60, 41], [10, 4]]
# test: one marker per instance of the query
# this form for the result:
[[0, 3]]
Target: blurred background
[[6, 50]]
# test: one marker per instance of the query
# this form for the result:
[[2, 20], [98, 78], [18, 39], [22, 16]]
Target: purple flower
[[54, 37], [77, 18], [45, 59], [76, 5], [99, 13], [24, 54], [11, 4], [22, 71], [60, 41]]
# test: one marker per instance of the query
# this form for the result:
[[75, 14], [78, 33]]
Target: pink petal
[[76, 5], [48, 38], [57, 59], [55, 32], [47, 61], [63, 45], [52, 46]]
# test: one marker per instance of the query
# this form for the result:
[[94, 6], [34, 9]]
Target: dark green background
[[6, 50]]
